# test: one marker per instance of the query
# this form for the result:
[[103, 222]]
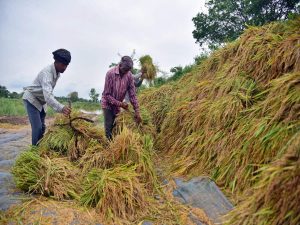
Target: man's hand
[[124, 105], [66, 110], [138, 118]]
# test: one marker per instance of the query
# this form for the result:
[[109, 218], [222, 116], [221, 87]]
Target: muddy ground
[[15, 137]]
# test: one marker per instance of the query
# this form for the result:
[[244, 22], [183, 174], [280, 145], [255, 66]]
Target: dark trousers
[[37, 122], [109, 122]]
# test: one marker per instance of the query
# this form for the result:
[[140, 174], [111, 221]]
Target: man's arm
[[108, 89], [132, 96], [48, 93]]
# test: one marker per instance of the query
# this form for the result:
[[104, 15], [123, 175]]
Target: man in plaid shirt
[[118, 81]]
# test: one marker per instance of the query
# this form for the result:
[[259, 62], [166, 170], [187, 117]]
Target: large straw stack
[[235, 113]]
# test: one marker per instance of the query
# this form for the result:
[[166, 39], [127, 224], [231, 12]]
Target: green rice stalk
[[116, 193]]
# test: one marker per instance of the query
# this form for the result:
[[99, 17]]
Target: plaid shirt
[[115, 89], [41, 91]]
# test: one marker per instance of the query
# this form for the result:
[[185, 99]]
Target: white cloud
[[95, 31]]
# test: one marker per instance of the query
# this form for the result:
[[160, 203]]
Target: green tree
[[93, 95], [3, 92], [73, 96], [226, 19], [14, 95]]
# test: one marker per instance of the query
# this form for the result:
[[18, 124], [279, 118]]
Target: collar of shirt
[[56, 74], [117, 71]]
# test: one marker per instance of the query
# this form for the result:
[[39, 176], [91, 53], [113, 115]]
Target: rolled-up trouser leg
[[109, 122], [37, 122]]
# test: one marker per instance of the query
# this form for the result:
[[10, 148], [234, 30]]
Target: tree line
[[73, 96], [225, 20]]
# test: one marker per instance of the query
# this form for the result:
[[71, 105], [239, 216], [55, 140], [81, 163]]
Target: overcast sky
[[95, 32]]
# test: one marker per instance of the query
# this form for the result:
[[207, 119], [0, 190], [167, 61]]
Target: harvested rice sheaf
[[126, 118], [55, 177], [126, 147], [26, 170], [116, 193], [131, 147], [57, 139], [148, 66], [72, 136]]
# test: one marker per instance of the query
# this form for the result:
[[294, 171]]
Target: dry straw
[[55, 177], [116, 193], [148, 66], [72, 136], [127, 118], [276, 197], [235, 112]]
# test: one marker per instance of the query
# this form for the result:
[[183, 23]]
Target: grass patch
[[12, 107], [15, 107]]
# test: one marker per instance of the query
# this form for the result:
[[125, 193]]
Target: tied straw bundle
[[147, 66]]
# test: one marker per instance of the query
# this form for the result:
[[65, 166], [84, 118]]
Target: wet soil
[[12, 142]]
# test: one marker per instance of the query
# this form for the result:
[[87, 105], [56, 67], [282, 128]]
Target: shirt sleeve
[[108, 90], [132, 96], [48, 93]]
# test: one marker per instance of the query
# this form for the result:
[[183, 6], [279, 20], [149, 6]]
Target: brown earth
[[15, 120]]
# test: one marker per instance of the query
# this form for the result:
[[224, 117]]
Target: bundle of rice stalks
[[130, 147], [26, 170], [147, 66], [59, 178], [57, 139], [276, 197], [126, 118], [55, 177], [126, 147], [94, 157], [283, 99], [116, 193], [72, 136]]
